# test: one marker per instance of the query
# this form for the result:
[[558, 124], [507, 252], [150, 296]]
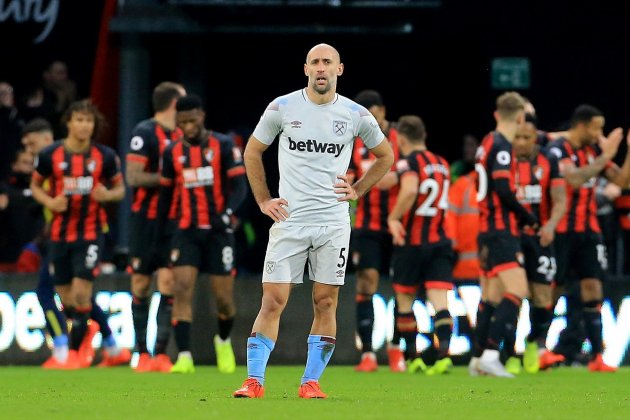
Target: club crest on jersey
[[270, 266], [538, 172], [339, 127], [209, 154], [91, 165], [63, 166], [296, 124], [402, 165], [182, 159], [480, 153], [174, 255]]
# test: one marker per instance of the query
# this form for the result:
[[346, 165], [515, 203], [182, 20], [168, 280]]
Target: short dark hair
[[188, 103], [369, 98], [413, 128], [584, 114], [164, 93], [37, 125], [531, 118]]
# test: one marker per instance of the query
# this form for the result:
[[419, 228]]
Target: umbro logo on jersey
[[182, 159], [296, 124], [315, 146]]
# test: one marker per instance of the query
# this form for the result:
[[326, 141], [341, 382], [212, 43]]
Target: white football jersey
[[315, 146]]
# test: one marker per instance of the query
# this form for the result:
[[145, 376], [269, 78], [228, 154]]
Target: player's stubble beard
[[322, 90]]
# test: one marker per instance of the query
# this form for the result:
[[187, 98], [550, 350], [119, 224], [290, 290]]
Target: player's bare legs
[[274, 300], [325, 299]]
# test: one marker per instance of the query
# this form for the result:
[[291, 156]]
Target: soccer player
[[207, 170], [541, 190], [371, 240], [78, 171], [583, 155], [36, 135], [317, 128], [499, 242], [149, 139], [423, 254]]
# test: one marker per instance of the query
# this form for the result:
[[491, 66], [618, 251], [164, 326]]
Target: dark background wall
[[440, 70]]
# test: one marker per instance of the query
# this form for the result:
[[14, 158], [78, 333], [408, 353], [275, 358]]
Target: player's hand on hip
[[398, 232], [344, 187], [275, 208]]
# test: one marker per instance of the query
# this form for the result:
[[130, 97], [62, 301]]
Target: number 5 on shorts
[[91, 256], [342, 257]]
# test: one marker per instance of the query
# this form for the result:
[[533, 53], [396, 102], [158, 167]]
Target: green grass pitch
[[119, 393]]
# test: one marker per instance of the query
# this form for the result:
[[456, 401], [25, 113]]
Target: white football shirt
[[315, 146]]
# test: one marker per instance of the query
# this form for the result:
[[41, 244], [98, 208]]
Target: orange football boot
[[72, 363], [549, 358], [368, 363], [598, 365], [311, 389], [161, 363], [86, 351], [120, 359], [251, 389], [145, 363], [396, 359]]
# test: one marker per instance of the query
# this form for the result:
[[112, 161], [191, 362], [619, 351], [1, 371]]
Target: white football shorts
[[290, 246]]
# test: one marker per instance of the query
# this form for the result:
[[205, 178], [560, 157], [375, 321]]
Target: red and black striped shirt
[[75, 175], [622, 207], [148, 142], [581, 215], [533, 179], [200, 173], [494, 162], [424, 222], [373, 207]]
